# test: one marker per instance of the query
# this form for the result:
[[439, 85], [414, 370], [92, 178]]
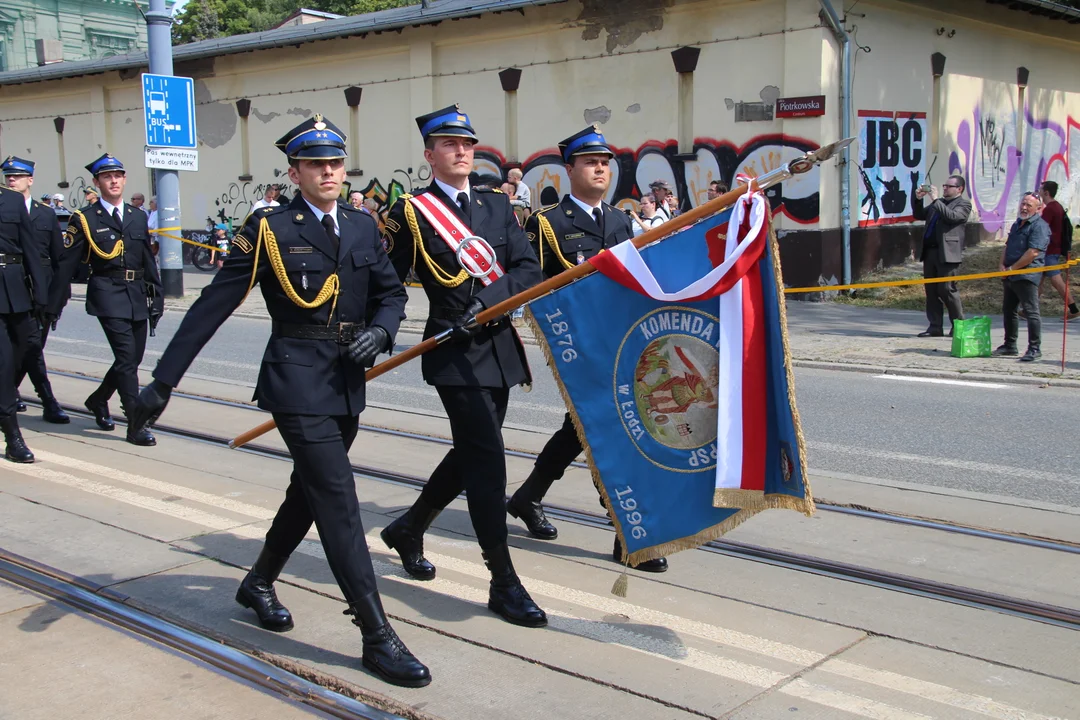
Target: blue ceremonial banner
[[674, 365]]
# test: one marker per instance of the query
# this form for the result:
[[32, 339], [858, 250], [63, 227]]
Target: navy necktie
[[598, 216], [331, 230], [463, 203]]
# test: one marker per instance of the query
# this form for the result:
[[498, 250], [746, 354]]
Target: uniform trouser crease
[[127, 338], [477, 462], [322, 490], [14, 338]]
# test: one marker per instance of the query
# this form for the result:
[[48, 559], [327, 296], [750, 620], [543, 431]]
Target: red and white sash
[[473, 252]]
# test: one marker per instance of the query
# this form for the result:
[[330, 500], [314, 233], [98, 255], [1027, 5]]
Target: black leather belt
[[445, 313], [129, 275], [10, 259], [343, 333], [452, 314]]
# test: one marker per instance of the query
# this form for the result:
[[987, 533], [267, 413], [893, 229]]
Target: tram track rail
[[922, 587], [1041, 543], [79, 595]]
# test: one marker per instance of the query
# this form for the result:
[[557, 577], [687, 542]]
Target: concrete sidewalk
[[821, 335]]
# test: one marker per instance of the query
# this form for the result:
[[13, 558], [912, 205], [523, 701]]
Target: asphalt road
[[1012, 440]]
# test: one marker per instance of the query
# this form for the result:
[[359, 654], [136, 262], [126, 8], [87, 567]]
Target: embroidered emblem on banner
[[666, 375]]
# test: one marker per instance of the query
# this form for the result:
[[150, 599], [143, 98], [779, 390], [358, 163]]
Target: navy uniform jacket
[[298, 376], [49, 241], [113, 297], [495, 356], [22, 285], [574, 236]]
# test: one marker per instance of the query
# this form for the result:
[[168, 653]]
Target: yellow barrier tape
[[929, 281], [164, 232]]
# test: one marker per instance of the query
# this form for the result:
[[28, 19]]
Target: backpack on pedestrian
[[1066, 233]]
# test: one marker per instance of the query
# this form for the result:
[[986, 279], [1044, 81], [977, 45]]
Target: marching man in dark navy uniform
[[565, 235], [23, 297], [336, 303], [124, 290], [469, 252], [49, 242]]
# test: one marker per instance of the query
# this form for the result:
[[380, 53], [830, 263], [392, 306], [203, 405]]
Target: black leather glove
[[466, 326], [368, 344], [152, 401], [51, 320], [40, 315]]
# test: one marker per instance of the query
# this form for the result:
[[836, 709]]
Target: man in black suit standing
[[23, 296], [49, 240], [943, 249], [565, 235], [124, 290], [469, 253], [335, 303]]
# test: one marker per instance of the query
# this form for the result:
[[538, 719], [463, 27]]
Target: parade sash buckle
[[472, 252]]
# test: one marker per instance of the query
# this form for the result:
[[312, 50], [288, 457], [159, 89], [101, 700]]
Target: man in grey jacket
[[1025, 248], [943, 249]]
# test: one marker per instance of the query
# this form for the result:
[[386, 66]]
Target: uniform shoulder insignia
[[531, 236], [242, 243], [392, 225]]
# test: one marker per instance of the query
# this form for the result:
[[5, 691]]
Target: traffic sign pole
[[171, 255]]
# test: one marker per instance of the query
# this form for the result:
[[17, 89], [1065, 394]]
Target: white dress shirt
[[319, 215]]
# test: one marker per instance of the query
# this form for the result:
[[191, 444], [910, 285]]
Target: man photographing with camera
[[943, 249]]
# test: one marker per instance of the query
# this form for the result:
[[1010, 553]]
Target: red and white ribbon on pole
[[473, 252], [736, 282]]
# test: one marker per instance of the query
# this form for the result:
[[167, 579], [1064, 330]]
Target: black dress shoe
[[532, 514], [657, 565], [507, 597], [932, 333], [20, 406], [143, 437], [101, 413], [406, 535], [384, 652]]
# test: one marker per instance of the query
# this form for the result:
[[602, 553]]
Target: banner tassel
[[622, 583]]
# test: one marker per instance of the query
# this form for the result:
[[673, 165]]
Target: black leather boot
[[100, 408], [658, 565], [51, 412], [525, 505], [406, 535], [507, 596], [141, 437], [257, 592], [16, 446], [384, 653]]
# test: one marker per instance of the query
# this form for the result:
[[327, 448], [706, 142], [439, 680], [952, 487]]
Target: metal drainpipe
[[845, 131]]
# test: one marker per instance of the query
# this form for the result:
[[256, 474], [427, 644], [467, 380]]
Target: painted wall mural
[[999, 172], [632, 172]]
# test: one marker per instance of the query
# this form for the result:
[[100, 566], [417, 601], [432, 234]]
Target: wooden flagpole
[[797, 166]]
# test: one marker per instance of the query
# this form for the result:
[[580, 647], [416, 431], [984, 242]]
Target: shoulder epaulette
[[484, 188], [545, 208]]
